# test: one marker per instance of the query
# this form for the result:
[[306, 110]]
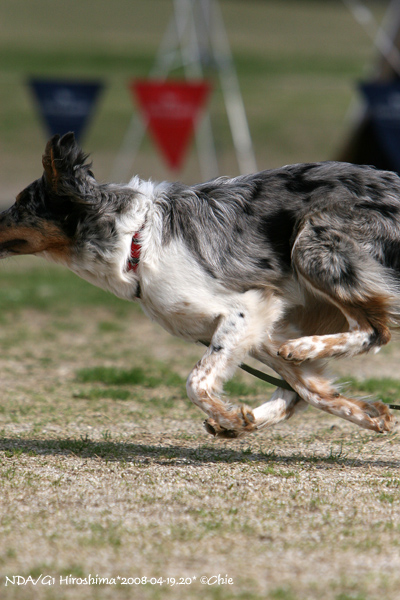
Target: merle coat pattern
[[291, 266]]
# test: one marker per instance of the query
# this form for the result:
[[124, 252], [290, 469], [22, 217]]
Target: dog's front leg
[[204, 386]]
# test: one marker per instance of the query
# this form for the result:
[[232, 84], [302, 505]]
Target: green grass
[[135, 376], [386, 389], [44, 287], [109, 393], [73, 61]]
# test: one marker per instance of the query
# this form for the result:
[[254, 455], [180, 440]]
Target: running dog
[[291, 266]]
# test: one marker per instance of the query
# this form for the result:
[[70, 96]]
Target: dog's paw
[[381, 419], [213, 428], [242, 420], [300, 350]]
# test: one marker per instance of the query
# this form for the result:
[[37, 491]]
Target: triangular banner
[[171, 110], [384, 108], [65, 105]]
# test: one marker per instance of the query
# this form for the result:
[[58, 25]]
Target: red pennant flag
[[171, 109]]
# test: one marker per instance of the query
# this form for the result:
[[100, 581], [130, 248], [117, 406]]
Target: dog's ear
[[62, 160]]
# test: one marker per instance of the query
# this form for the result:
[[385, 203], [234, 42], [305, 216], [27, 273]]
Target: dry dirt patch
[[122, 481]]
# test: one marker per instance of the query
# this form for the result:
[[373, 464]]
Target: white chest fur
[[179, 294], [188, 302]]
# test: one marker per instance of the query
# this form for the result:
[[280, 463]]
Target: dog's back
[[243, 231]]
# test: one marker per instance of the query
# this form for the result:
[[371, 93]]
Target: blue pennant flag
[[384, 109], [66, 105]]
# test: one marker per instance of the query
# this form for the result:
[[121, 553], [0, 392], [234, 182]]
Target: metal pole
[[382, 40], [231, 91], [192, 64]]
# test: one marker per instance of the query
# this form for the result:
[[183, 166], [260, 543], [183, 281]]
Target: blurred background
[[298, 64]]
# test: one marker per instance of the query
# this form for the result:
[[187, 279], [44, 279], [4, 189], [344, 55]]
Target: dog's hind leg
[[204, 386], [310, 383], [332, 266]]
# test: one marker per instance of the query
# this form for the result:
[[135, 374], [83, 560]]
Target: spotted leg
[[335, 268], [311, 384], [282, 405], [204, 386]]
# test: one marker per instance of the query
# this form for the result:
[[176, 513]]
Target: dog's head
[[55, 213]]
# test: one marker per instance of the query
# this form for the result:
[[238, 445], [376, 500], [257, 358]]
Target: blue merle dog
[[290, 266]]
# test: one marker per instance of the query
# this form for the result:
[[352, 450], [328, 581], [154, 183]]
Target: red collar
[[136, 246]]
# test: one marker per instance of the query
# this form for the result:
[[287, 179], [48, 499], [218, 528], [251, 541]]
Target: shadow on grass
[[143, 454]]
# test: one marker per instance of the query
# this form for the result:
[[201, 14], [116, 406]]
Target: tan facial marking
[[47, 238]]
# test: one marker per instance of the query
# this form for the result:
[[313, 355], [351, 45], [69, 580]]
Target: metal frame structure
[[196, 40]]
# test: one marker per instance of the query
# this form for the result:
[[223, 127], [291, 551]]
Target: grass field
[[105, 469]]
